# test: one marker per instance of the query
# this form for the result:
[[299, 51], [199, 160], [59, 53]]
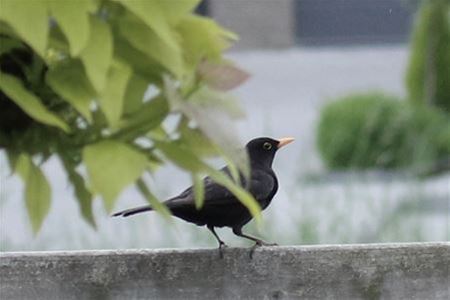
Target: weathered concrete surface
[[377, 271]]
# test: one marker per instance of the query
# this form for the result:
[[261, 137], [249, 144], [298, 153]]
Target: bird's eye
[[267, 146]]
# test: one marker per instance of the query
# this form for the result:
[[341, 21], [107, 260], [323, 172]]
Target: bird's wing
[[214, 194], [261, 186]]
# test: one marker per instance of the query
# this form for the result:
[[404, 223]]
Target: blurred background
[[363, 86]]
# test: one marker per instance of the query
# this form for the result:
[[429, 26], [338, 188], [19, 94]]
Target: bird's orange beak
[[284, 141]]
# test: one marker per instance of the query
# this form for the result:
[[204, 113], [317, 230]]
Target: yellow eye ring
[[267, 146]]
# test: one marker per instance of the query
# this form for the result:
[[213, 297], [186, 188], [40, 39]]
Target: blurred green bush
[[375, 130], [428, 74]]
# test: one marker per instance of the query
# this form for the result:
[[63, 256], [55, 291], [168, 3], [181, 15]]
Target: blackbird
[[221, 208]]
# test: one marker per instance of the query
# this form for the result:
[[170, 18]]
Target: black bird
[[221, 208]]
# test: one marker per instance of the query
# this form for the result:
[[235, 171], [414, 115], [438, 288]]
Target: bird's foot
[[222, 247], [260, 243]]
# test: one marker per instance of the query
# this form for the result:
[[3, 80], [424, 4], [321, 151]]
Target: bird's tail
[[133, 211]]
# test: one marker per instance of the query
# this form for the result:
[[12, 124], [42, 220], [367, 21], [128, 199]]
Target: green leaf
[[148, 117], [84, 197], [181, 156], [37, 191], [22, 166], [12, 159], [244, 196], [7, 44], [57, 44], [97, 56], [29, 19], [175, 13], [202, 39], [152, 199], [70, 82], [142, 64], [29, 103], [234, 170], [196, 140], [210, 120], [208, 99], [112, 99], [147, 41], [6, 30], [151, 13], [73, 18], [111, 166], [199, 190], [82, 194], [134, 94]]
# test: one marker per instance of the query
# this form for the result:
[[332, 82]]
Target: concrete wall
[[259, 23], [265, 24], [389, 271]]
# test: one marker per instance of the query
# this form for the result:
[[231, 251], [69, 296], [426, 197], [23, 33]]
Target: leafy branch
[[93, 81]]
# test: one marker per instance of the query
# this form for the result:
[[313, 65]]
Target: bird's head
[[261, 151]]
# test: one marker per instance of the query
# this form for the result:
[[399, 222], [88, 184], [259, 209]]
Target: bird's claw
[[260, 243], [222, 246]]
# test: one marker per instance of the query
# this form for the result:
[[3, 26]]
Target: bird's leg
[[221, 243], [258, 242]]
